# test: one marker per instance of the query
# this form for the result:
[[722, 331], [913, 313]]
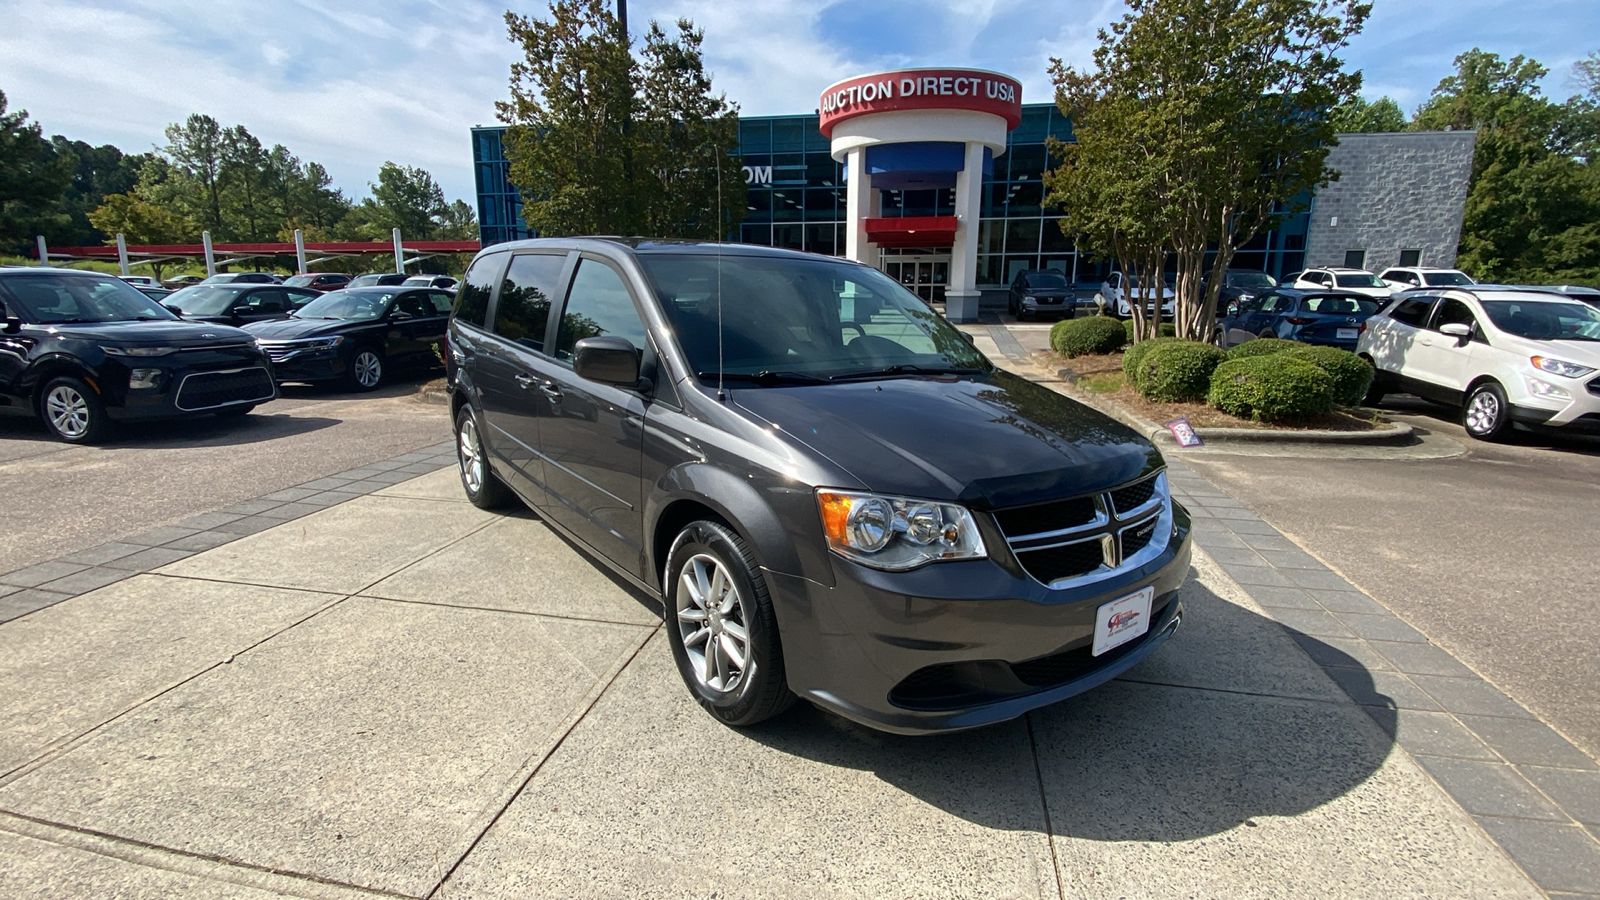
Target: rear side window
[[523, 311], [1413, 312], [599, 304], [472, 301]]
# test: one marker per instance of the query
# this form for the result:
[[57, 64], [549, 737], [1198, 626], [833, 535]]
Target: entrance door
[[925, 275]]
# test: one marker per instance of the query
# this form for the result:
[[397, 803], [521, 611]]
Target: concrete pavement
[[395, 694]]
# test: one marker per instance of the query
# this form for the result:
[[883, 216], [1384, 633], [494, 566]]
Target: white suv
[[1335, 278], [1115, 290], [1406, 278], [1503, 355]]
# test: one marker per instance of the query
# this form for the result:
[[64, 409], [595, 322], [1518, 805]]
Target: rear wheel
[[484, 489], [720, 624], [73, 412], [1487, 415]]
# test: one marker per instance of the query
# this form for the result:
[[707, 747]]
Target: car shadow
[[1520, 436], [1192, 742], [190, 431], [395, 386]]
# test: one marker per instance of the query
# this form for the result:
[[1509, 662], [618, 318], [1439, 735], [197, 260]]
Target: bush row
[[1092, 334], [1267, 379]]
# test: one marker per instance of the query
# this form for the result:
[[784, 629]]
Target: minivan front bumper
[[960, 645]]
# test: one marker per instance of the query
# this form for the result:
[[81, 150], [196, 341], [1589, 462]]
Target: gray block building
[[1398, 201]]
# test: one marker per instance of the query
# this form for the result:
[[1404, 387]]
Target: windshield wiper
[[765, 377], [908, 369]]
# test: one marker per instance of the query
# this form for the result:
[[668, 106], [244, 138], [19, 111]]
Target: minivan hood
[[987, 441], [179, 333]]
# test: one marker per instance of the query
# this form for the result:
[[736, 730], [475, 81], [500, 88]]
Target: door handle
[[524, 381], [550, 389]]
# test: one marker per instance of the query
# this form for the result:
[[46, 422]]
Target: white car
[[141, 280], [1503, 355], [1116, 289], [1330, 277], [1405, 278]]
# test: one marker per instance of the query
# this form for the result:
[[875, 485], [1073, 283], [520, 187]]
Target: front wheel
[[1487, 415], [484, 489], [721, 626], [73, 412], [366, 370]]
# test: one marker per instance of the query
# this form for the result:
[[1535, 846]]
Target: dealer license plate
[[1348, 334], [1120, 621]]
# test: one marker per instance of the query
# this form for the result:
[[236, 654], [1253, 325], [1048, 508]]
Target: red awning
[[913, 231]]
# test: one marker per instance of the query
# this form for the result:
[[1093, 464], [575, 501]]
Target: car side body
[[1339, 278], [1326, 318], [358, 335], [1406, 278]]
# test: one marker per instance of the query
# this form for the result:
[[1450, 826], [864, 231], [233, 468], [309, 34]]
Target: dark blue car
[[1329, 318]]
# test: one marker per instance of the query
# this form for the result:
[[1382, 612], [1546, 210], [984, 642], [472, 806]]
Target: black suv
[[1047, 291], [358, 335], [238, 303], [832, 492], [83, 350], [1243, 284]]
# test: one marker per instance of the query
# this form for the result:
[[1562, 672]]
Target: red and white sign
[[917, 89], [1120, 621]]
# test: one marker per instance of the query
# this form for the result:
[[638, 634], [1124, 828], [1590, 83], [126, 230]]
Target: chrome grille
[[1080, 539]]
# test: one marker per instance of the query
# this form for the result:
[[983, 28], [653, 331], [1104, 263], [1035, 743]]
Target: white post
[[858, 208], [300, 249], [122, 254], [399, 254], [44, 251], [961, 297], [211, 257]]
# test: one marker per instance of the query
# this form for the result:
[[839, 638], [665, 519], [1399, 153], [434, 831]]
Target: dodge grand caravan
[[833, 494]]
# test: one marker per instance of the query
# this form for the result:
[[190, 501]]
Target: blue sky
[[351, 83]]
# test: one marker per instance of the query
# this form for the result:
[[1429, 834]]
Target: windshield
[[49, 299], [299, 280], [1545, 321], [203, 300], [1445, 279], [347, 305], [1047, 281], [811, 318], [1357, 279], [1252, 280]]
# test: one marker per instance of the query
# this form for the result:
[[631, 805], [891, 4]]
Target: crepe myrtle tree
[[1220, 109]]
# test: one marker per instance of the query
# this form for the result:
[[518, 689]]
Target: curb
[[435, 396]]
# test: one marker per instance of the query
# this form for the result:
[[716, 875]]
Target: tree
[[33, 179], [600, 144], [141, 222], [248, 190], [1360, 117], [194, 150], [405, 198], [458, 222], [1223, 105]]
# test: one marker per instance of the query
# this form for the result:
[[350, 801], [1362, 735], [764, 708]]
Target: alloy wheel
[[68, 411], [713, 623], [1483, 412], [467, 452], [368, 368]]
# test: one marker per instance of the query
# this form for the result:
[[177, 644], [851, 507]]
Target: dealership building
[[936, 176]]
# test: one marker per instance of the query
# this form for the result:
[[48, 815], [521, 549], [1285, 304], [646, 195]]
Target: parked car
[[761, 440], [243, 278], [319, 281], [443, 282], [141, 280], [157, 293], [182, 281], [1333, 278], [1042, 291], [1328, 318], [1242, 284], [83, 351], [238, 303], [1504, 355], [358, 335], [1114, 292], [1404, 278], [375, 279]]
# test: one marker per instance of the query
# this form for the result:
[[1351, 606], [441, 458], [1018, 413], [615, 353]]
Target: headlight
[[897, 533], [1246, 296], [144, 379], [139, 351], [324, 343], [1031, 297], [1558, 367], [1541, 388]]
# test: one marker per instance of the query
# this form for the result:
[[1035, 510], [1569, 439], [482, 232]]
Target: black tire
[[1220, 339], [484, 489], [235, 412], [73, 413], [1379, 388], [761, 690], [364, 371], [1487, 414]]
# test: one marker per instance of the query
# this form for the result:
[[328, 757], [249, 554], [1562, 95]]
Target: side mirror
[[13, 325], [1462, 333], [608, 360], [172, 309], [401, 315]]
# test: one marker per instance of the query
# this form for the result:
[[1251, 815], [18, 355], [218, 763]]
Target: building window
[[1410, 257], [1355, 259]]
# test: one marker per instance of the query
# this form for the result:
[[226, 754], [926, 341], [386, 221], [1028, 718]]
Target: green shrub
[[1093, 334], [1132, 356], [1262, 347], [1174, 371], [1271, 388], [1165, 329], [1351, 374]]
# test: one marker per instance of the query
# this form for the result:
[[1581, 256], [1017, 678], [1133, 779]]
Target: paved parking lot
[[402, 694]]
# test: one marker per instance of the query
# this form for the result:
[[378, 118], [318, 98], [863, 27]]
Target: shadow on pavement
[[1537, 438], [1177, 757], [194, 431]]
